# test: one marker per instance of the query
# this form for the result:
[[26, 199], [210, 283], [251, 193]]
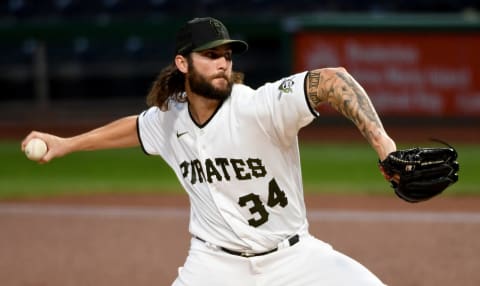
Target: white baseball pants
[[309, 262]]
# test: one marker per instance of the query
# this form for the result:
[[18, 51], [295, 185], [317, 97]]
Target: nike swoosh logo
[[181, 134]]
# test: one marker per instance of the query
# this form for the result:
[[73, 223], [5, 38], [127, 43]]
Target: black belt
[[292, 241]]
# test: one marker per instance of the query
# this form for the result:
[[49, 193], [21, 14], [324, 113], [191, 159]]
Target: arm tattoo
[[356, 101], [313, 84], [345, 95]]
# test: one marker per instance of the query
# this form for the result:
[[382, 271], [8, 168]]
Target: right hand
[[56, 146]]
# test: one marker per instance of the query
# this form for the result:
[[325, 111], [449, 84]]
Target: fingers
[[30, 136], [47, 157], [385, 175], [395, 177]]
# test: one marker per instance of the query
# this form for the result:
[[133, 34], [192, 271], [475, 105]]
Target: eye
[[212, 54]]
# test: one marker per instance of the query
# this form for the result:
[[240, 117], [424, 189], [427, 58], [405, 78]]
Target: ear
[[181, 63]]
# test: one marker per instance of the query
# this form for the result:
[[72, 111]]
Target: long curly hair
[[170, 85]]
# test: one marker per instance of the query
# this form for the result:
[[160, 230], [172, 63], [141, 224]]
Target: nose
[[222, 63]]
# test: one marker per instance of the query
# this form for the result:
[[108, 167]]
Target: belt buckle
[[247, 254]]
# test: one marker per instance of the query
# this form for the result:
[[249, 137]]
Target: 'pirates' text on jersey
[[243, 193]]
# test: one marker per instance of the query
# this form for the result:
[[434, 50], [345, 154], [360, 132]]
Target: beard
[[203, 87]]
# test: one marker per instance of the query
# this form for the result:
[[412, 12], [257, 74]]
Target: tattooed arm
[[337, 87]]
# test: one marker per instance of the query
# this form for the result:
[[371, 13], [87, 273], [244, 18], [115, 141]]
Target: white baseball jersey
[[241, 169]]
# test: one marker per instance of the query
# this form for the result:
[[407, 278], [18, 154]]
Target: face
[[210, 73]]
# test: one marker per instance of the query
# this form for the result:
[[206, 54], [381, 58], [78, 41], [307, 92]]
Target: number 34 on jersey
[[223, 169]]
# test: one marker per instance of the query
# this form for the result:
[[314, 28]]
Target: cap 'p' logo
[[217, 26]]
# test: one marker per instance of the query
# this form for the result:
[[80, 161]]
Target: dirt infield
[[142, 239]]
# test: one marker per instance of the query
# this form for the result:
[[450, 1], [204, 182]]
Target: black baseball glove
[[419, 174]]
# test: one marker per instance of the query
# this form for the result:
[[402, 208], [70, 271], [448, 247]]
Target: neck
[[201, 108]]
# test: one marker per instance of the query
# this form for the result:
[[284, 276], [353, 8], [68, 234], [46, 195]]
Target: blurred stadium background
[[70, 64]]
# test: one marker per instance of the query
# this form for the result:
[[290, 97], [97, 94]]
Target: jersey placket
[[203, 152]]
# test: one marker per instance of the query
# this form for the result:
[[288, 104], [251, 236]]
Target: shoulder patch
[[285, 87]]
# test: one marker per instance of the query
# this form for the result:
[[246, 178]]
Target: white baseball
[[35, 149]]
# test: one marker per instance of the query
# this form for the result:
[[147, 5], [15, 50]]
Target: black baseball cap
[[205, 33]]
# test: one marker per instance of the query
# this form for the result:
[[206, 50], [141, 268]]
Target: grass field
[[334, 168]]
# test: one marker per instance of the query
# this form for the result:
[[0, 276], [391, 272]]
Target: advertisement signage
[[404, 74]]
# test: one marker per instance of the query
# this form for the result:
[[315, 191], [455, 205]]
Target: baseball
[[35, 149]]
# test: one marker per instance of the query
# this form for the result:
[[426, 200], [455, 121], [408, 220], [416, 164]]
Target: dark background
[[72, 62]]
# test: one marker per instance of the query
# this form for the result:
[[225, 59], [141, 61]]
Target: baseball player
[[235, 151]]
